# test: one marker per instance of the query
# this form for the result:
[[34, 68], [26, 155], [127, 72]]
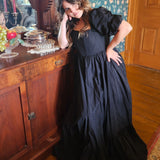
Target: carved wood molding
[[46, 14], [153, 3], [34, 4], [41, 5], [50, 2], [132, 19]]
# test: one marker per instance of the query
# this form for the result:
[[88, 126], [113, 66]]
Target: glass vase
[[8, 51]]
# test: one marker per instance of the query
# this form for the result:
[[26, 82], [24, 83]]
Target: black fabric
[[104, 21], [98, 124]]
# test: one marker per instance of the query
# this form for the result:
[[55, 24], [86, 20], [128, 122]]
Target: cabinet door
[[15, 134], [43, 95]]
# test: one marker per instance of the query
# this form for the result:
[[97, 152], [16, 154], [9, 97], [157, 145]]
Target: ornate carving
[[48, 17]]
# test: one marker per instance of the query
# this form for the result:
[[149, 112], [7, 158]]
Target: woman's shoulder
[[104, 21], [99, 11], [98, 15]]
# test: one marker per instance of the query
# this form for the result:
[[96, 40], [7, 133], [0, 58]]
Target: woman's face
[[72, 10]]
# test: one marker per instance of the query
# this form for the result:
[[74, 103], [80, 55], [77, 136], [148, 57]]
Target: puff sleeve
[[104, 21]]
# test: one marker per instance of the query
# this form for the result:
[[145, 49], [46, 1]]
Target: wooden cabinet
[[43, 95], [31, 95], [15, 130], [48, 17]]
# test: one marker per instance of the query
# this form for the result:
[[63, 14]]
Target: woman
[[98, 123]]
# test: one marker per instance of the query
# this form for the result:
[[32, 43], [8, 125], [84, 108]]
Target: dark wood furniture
[[47, 15], [32, 87]]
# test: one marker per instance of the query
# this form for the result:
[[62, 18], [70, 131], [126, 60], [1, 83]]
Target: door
[[46, 94], [147, 35], [15, 134]]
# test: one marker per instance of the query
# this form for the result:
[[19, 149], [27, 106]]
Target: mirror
[[18, 12]]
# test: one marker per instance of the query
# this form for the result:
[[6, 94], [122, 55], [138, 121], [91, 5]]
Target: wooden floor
[[145, 87]]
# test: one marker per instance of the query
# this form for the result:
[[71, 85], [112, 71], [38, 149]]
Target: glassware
[[8, 51]]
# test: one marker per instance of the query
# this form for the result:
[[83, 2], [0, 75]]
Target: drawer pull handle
[[59, 62]]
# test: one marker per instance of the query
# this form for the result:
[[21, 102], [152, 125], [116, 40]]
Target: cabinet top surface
[[24, 57]]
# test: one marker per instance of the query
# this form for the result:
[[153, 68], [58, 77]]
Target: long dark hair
[[85, 6]]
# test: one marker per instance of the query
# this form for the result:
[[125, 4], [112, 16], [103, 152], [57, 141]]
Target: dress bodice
[[103, 24], [88, 44]]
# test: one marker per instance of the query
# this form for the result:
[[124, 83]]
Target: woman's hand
[[122, 32], [66, 17], [111, 54]]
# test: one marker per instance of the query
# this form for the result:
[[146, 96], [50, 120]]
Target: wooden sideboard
[[48, 17], [32, 91]]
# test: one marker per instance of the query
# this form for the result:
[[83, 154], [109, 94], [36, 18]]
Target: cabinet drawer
[[49, 64]]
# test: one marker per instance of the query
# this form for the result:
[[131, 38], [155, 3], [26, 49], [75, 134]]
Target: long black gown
[[98, 124]]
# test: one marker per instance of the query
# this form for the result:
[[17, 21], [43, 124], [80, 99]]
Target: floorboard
[[145, 88]]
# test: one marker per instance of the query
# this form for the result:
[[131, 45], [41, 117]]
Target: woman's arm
[[123, 31], [62, 38]]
